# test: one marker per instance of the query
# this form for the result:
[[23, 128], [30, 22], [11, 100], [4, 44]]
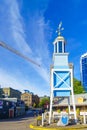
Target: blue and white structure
[[83, 68], [61, 74]]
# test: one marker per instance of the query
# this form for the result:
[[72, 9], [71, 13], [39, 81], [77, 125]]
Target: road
[[17, 123]]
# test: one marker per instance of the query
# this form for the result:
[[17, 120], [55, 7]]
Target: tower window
[[56, 48], [60, 47]]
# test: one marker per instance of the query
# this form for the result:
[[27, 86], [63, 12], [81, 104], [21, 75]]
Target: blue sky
[[30, 27]]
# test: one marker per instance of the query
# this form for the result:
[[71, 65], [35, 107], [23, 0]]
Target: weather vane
[[60, 28]]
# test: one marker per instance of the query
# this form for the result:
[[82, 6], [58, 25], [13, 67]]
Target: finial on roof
[[60, 28]]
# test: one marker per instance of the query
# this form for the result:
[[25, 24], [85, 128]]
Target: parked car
[[35, 112]]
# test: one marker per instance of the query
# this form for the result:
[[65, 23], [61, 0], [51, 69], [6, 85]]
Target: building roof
[[59, 38], [10, 99], [80, 100], [84, 55], [26, 94], [11, 89]]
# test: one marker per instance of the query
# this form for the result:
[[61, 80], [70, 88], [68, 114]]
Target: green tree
[[44, 102], [78, 88], [1, 93], [34, 105]]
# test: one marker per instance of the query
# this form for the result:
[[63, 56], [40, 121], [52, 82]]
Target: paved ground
[[16, 124]]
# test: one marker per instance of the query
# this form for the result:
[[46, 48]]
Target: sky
[[29, 26]]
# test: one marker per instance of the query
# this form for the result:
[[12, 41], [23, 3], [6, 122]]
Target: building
[[11, 107], [30, 99], [83, 68], [80, 102], [11, 93]]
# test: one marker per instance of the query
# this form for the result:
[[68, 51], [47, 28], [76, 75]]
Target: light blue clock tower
[[61, 74]]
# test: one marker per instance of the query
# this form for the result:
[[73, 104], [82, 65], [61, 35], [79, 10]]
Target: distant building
[[11, 107], [11, 93], [83, 68], [1, 93], [30, 99]]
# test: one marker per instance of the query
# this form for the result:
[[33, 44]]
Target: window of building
[[25, 100], [60, 47]]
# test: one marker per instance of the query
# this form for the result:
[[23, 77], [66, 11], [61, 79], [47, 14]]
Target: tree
[[44, 102], [34, 105], [1, 93], [78, 88]]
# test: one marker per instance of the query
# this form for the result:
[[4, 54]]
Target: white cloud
[[40, 46], [10, 80], [39, 30], [37, 40], [17, 27]]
